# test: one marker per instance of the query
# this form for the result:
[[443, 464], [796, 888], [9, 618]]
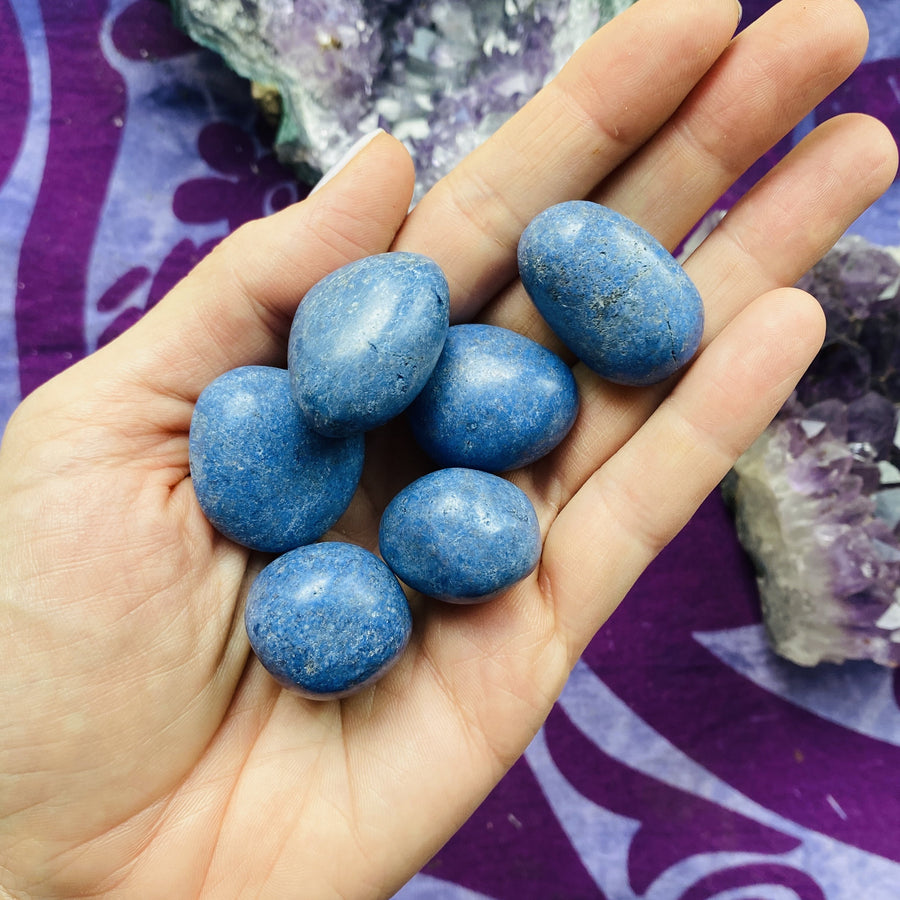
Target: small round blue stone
[[496, 400], [460, 535], [261, 475], [327, 619], [611, 292], [365, 339]]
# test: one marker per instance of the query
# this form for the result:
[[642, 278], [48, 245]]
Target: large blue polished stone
[[611, 292], [460, 535], [327, 619], [496, 400], [261, 476], [365, 339]]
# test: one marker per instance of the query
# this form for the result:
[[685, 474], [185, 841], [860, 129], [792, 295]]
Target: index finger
[[617, 90]]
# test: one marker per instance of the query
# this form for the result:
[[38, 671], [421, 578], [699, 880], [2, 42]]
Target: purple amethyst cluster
[[817, 497], [441, 75]]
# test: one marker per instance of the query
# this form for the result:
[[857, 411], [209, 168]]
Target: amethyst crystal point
[[441, 75], [808, 512], [817, 497]]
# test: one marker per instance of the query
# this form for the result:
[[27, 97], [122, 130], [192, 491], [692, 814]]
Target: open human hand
[[144, 752]]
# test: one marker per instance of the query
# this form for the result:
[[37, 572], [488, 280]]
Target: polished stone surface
[[460, 535], [496, 400], [261, 476], [365, 339], [611, 292], [327, 619]]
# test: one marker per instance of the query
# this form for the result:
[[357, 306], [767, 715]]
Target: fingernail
[[356, 148], [740, 12]]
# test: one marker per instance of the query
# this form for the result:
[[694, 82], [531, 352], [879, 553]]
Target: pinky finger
[[645, 493]]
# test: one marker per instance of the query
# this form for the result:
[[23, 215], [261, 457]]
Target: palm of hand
[[147, 752], [165, 729]]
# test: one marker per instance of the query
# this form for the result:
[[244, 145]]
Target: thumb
[[236, 307]]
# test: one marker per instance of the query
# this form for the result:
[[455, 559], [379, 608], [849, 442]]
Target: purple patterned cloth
[[683, 760]]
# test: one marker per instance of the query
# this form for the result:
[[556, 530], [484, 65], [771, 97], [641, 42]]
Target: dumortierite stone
[[327, 619], [460, 535], [817, 497], [440, 75], [611, 292], [261, 475], [365, 339], [496, 400]]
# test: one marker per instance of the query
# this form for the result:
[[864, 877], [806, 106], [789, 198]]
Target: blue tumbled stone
[[327, 619], [365, 339], [261, 475], [496, 400], [460, 535], [611, 292]]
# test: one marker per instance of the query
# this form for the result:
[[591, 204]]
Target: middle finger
[[763, 85], [610, 98]]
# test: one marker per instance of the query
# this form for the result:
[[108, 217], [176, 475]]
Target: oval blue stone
[[496, 400], [261, 475], [365, 339], [611, 292], [327, 619], [460, 535]]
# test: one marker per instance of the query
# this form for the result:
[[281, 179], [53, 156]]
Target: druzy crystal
[[817, 497], [441, 75]]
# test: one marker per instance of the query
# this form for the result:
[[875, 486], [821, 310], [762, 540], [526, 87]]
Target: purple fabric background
[[683, 760]]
